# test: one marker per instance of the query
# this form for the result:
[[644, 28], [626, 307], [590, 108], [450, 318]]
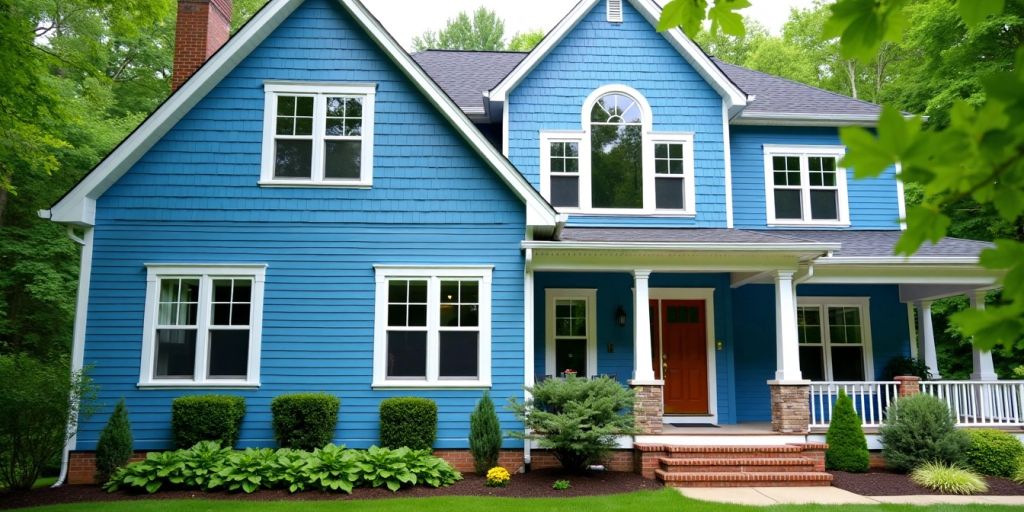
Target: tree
[[484, 435], [114, 448], [847, 446], [525, 41], [484, 31]]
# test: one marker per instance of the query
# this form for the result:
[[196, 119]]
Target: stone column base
[[791, 410], [649, 408]]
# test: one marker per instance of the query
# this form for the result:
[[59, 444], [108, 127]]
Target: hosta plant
[[948, 479], [150, 474], [202, 465], [251, 469], [333, 468]]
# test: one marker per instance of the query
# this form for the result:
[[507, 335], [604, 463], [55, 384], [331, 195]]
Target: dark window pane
[[335, 107], [449, 315], [815, 179], [342, 159], [396, 315], [778, 163], [335, 127], [449, 291], [823, 205], [459, 354], [668, 193], [661, 151], [565, 191], [675, 167], [189, 290], [304, 126], [616, 167], [814, 163], [792, 162], [793, 177], [557, 165], [676, 151], [661, 167], [407, 354], [780, 178], [397, 290], [175, 353], [222, 290], [286, 105], [293, 158], [812, 365], [572, 165], [286, 126], [829, 165], [243, 290], [353, 127], [847, 363], [470, 291], [469, 316], [418, 315], [787, 204], [418, 291], [557, 149], [571, 355], [353, 107], [240, 314], [304, 106], [229, 353], [222, 314]]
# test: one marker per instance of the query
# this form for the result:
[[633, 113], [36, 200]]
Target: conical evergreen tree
[[847, 447], [115, 444], [484, 435]]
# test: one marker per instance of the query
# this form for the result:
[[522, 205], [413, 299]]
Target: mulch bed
[[883, 483], [530, 485]]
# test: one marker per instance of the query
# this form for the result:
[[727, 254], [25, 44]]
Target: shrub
[[903, 365], [919, 429], [498, 477], [1018, 473], [847, 446], [305, 421], [409, 422], [484, 435], [948, 479], [207, 418], [994, 452], [561, 485], [115, 444], [578, 419], [39, 400]]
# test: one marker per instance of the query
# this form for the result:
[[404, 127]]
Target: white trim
[[803, 119], [912, 329], [206, 273], [901, 197], [614, 11], [803, 152], [319, 91], [433, 274], [546, 138], [78, 206], [727, 154], [795, 247], [529, 366], [550, 296], [708, 296], [689, 174], [864, 305], [734, 97]]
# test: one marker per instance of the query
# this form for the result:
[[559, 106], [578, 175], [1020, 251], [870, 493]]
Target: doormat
[[693, 425]]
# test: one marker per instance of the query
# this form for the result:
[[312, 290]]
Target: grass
[[666, 500]]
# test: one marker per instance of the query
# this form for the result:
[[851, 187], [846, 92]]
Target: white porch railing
[[870, 400], [981, 403]]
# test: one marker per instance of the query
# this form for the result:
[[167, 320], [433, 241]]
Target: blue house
[[317, 210]]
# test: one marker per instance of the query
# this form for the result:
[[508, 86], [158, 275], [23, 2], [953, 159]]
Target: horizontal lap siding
[[597, 53], [194, 198], [874, 202]]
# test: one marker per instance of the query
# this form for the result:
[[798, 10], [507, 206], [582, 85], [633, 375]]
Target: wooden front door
[[684, 355]]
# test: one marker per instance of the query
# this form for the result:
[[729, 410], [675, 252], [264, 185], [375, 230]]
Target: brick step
[[736, 479], [734, 465], [731, 452]]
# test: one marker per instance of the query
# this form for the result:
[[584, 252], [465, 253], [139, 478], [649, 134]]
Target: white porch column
[[643, 367], [927, 334], [787, 343], [983, 367]]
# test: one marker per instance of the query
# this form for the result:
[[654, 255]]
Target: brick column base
[[82, 467], [791, 411], [649, 408], [909, 385]]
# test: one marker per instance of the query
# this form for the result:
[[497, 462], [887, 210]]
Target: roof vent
[[614, 11]]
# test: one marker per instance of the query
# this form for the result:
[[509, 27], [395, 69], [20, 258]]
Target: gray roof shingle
[[870, 244], [674, 235], [465, 75]]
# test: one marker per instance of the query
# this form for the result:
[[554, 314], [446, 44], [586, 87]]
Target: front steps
[[735, 466]]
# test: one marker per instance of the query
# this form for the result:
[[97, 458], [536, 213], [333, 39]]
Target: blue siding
[[194, 198], [874, 202], [598, 53], [754, 328], [614, 290]]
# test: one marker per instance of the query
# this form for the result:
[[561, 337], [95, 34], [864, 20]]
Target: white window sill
[[318, 184], [183, 384], [777, 224], [628, 212], [440, 384]]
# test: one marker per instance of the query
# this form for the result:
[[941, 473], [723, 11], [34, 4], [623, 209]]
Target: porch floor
[[737, 429]]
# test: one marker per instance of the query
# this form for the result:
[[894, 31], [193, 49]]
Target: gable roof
[[78, 206], [467, 75], [734, 97]]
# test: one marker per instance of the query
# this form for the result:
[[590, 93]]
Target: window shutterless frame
[[823, 304], [552, 296], [320, 92], [434, 275], [205, 274], [803, 153]]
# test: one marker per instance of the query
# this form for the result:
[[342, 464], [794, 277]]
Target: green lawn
[[665, 500]]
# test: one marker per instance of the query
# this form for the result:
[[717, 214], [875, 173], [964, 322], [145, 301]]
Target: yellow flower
[[498, 477]]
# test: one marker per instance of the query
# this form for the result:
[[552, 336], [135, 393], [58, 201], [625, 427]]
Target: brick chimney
[[203, 27]]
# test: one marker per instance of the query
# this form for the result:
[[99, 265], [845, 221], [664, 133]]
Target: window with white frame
[[805, 185], [571, 341], [616, 164], [318, 134], [202, 325], [432, 327], [835, 339]]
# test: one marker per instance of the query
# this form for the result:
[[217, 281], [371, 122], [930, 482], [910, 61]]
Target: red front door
[[684, 358]]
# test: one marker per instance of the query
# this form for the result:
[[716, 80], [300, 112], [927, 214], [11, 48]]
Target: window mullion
[[319, 134], [805, 189], [203, 328], [826, 340], [433, 328]]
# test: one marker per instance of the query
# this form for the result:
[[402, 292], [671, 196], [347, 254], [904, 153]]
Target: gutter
[[898, 260], [684, 246]]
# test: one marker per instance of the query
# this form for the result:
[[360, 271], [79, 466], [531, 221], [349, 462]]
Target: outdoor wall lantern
[[620, 316]]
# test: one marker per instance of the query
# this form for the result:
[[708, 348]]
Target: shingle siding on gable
[[194, 198], [874, 203], [598, 53]]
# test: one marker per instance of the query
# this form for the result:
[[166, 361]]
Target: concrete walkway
[[765, 496]]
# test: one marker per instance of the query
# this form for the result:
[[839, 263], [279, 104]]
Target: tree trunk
[[851, 73], [3, 203]]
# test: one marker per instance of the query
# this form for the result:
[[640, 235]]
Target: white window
[[835, 338], [571, 328], [616, 164], [318, 134], [804, 185], [432, 327], [202, 325]]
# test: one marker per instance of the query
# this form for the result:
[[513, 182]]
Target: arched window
[[616, 152]]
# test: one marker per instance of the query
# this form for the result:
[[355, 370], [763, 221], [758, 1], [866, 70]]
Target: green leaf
[[686, 14], [924, 222], [864, 154], [998, 325], [724, 17], [974, 12], [394, 485]]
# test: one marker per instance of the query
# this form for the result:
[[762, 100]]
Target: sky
[[406, 19]]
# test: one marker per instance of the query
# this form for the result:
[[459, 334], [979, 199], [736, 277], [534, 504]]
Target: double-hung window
[[202, 325], [673, 185], [561, 165], [835, 338], [318, 134], [571, 341], [804, 185], [432, 327]]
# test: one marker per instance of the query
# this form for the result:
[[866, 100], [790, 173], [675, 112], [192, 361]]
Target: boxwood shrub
[[305, 421], [920, 429], [207, 418], [408, 421], [994, 452], [847, 446]]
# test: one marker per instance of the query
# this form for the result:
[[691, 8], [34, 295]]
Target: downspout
[[78, 339], [527, 346]]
